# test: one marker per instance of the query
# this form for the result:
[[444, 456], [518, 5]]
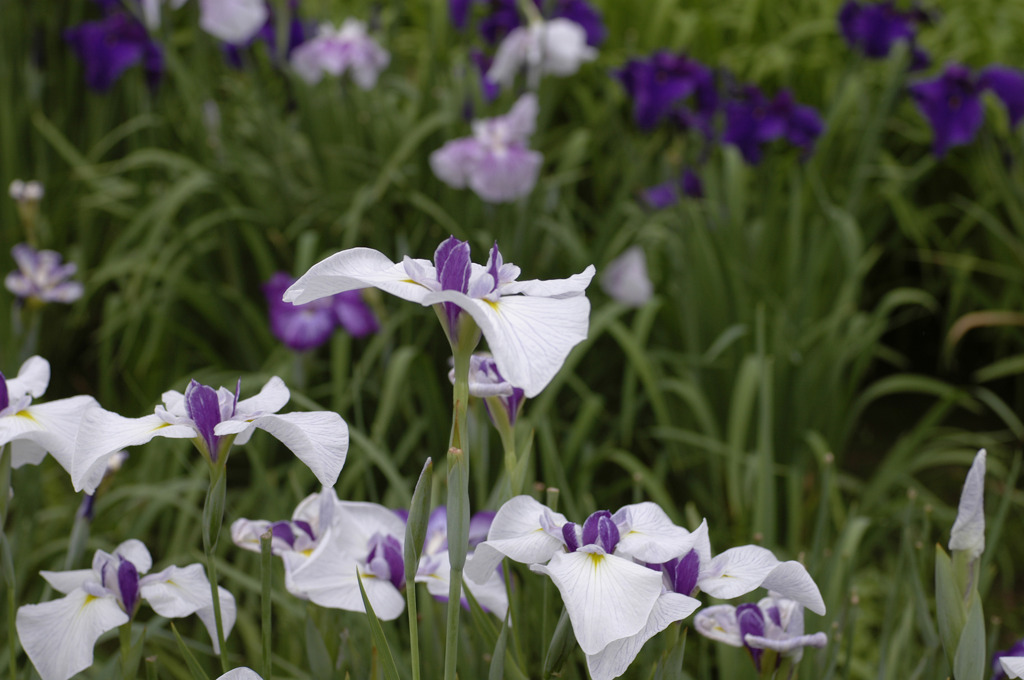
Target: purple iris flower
[[667, 194], [309, 326], [660, 83], [752, 121], [488, 87], [110, 46], [42, 277], [874, 28], [298, 33], [503, 17], [952, 102]]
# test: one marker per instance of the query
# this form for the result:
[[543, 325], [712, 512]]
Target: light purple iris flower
[[615, 603], [213, 420], [495, 162], [335, 51], [59, 635], [774, 624], [530, 326], [625, 278], [41, 276], [309, 326]]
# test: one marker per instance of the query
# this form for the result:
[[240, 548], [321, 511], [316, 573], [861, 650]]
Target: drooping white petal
[[788, 645], [608, 598], [968, 532], [32, 379], [233, 21], [350, 270], [66, 581], [52, 426], [513, 52], [574, 285], [719, 623], [271, 399], [104, 433], [245, 533], [530, 337], [176, 592], [355, 522], [240, 674], [59, 635], [26, 452], [519, 533], [318, 438], [740, 570], [434, 571], [1013, 666], [564, 45], [647, 533], [613, 660]]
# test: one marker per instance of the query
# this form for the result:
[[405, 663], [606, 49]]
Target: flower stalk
[[458, 500], [213, 517]]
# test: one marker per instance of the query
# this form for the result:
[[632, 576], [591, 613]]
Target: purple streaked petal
[[751, 622], [569, 535], [685, 573], [128, 585], [385, 559], [203, 408], [283, 531], [4, 399]]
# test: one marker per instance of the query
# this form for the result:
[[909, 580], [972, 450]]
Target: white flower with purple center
[[487, 383], [59, 635], [335, 51], [293, 541], [495, 162], [214, 420], [33, 430], [771, 630], [557, 47], [364, 542], [41, 276], [434, 567], [612, 598], [530, 326]]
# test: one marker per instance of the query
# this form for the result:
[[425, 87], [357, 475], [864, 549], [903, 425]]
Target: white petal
[[646, 533], [245, 533], [240, 674], [625, 278], [59, 636], [719, 623], [511, 56], [135, 551], [355, 522], [613, 660], [1013, 666], [565, 47], [455, 162], [32, 379], [969, 528], [233, 21], [530, 337], [522, 117], [271, 399], [608, 598], [66, 581], [51, 426], [350, 270], [318, 438], [517, 532], [104, 433], [786, 645], [434, 572], [574, 285], [176, 592], [740, 570], [26, 452]]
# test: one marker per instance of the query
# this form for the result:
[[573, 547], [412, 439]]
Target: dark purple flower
[[459, 12], [110, 46], [658, 84], [488, 87], [583, 14], [1008, 85], [750, 620], [952, 104], [308, 326], [997, 668], [667, 193], [499, 22], [874, 28], [752, 121]]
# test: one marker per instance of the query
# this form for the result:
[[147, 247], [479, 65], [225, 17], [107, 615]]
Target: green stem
[[7, 559], [458, 508], [125, 633], [414, 631], [266, 565], [213, 517]]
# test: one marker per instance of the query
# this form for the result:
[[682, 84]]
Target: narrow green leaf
[[497, 670], [949, 606], [193, 666], [320, 665], [562, 643], [971, 659], [387, 660]]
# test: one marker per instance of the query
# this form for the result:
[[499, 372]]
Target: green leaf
[[949, 607], [971, 658], [562, 643], [497, 670], [193, 666], [387, 660], [320, 665], [416, 527]]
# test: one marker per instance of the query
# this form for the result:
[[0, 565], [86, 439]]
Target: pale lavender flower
[[26, 192], [233, 21], [487, 383], [41, 276], [495, 162], [626, 280], [335, 51]]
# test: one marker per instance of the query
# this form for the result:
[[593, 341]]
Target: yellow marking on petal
[[89, 598], [307, 552], [411, 281], [596, 559], [492, 303], [26, 415], [161, 426]]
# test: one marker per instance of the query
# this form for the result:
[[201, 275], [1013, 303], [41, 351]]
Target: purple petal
[[661, 196], [354, 315], [110, 46], [685, 572], [952, 104], [283, 530], [1008, 85], [873, 29], [455, 162], [479, 525], [582, 13], [299, 327], [453, 265], [386, 550], [128, 585], [569, 536], [751, 622], [203, 407], [600, 530], [5, 400]]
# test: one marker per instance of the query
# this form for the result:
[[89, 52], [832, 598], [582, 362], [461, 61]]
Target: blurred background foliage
[[829, 343]]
